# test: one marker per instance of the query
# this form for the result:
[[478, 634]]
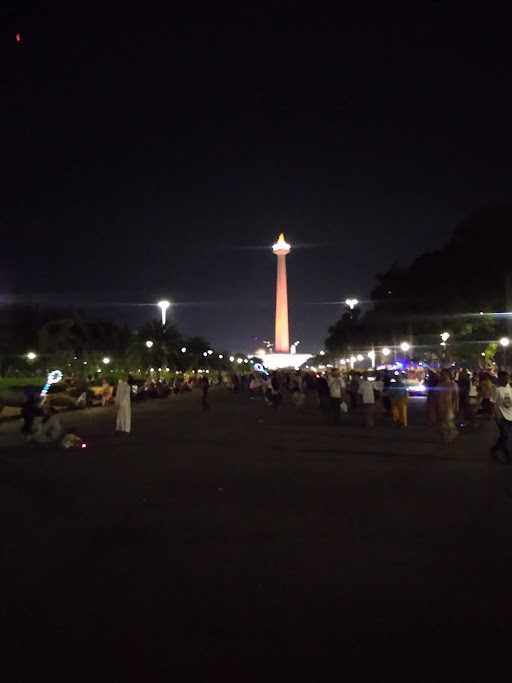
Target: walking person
[[399, 397], [124, 407], [503, 412], [205, 388], [336, 389], [448, 406], [367, 393]]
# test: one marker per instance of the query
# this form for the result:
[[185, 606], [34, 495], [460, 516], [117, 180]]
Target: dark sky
[[149, 154]]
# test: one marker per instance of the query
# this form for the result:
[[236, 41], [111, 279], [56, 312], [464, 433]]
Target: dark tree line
[[444, 290]]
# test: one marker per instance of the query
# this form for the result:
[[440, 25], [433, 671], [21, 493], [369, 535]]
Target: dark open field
[[243, 544]]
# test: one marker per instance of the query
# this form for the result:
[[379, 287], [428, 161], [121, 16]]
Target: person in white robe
[[124, 407]]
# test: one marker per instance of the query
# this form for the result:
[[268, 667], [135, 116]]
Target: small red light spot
[[18, 37]]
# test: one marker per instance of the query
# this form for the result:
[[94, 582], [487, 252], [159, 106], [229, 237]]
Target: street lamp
[[221, 356], [205, 354], [504, 341], [183, 349], [351, 303], [31, 355], [209, 352], [360, 357], [445, 336], [386, 352], [163, 306], [232, 359], [106, 360], [149, 344], [405, 346]]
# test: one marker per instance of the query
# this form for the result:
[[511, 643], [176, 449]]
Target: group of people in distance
[[456, 397]]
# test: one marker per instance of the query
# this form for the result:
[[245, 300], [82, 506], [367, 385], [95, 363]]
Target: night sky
[[148, 155]]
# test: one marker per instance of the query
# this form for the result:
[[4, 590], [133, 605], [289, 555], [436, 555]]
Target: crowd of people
[[455, 399]]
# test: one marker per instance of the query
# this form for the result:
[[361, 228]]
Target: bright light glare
[[386, 351], [221, 356], [209, 352], [351, 303], [149, 344], [205, 354], [445, 336], [232, 359], [360, 357], [322, 353], [505, 341], [163, 306], [405, 346], [239, 360], [106, 360], [183, 349], [31, 355]]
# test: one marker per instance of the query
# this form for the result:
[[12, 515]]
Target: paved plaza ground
[[244, 544]]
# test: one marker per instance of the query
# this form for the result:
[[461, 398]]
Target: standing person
[[464, 384], [322, 388], [432, 383], [486, 389], [336, 389], [367, 393], [399, 398], [448, 405], [205, 387], [503, 412], [124, 407]]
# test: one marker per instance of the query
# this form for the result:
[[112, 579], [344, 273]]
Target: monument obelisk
[[282, 341]]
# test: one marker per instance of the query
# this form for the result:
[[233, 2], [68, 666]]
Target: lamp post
[[504, 343], [163, 306]]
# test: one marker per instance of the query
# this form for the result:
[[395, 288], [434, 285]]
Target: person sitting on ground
[[48, 429]]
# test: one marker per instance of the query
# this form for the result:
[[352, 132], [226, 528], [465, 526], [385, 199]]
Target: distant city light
[[232, 359], [31, 355]]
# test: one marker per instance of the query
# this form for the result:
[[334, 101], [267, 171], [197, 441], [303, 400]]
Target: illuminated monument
[[282, 341], [282, 358]]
